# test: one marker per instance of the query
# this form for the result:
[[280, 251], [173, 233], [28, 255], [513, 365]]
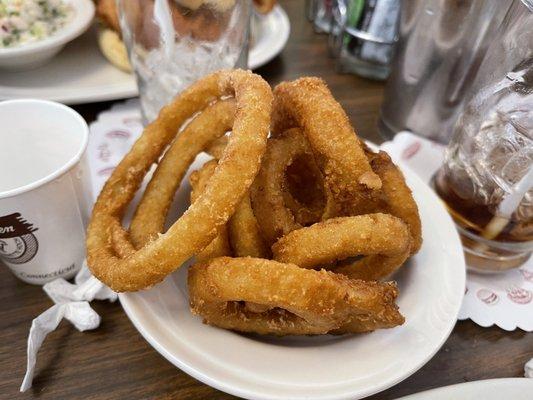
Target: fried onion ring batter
[[382, 238], [307, 103], [287, 300], [150, 215], [267, 192], [397, 197], [245, 236], [305, 193], [198, 226], [219, 246]]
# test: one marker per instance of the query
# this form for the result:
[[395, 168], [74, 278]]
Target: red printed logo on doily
[[528, 275], [132, 121], [487, 296], [118, 134], [105, 171], [103, 152], [519, 295], [411, 150]]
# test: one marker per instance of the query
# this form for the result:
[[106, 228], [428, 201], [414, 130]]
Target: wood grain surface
[[114, 361]]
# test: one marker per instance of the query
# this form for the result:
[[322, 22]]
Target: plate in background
[[490, 389], [80, 74]]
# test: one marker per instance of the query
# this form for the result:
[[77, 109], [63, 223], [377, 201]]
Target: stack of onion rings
[[334, 217]]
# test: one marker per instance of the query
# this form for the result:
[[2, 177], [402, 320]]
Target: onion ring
[[382, 238], [397, 197], [198, 226], [244, 232], [307, 103], [304, 193], [216, 148], [269, 204], [150, 215], [219, 246], [245, 236], [290, 300]]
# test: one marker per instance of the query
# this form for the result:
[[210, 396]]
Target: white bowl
[[35, 54]]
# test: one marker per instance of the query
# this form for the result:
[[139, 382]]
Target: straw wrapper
[[71, 302]]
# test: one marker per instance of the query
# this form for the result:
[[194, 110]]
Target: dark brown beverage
[[486, 249], [476, 217]]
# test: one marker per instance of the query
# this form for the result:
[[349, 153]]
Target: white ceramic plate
[[80, 74], [326, 367], [492, 389], [269, 35]]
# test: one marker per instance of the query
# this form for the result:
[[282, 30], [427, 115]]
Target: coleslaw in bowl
[[33, 31]]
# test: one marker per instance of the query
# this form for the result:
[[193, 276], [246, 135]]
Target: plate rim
[[280, 37], [425, 394], [129, 305]]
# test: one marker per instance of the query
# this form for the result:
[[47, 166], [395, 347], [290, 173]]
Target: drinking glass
[[440, 47], [172, 43], [362, 36], [487, 178], [486, 181], [320, 13]]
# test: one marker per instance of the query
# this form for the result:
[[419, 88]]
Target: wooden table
[[115, 362]]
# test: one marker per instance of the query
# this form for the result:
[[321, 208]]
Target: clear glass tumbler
[[172, 43], [486, 181], [363, 35], [319, 12]]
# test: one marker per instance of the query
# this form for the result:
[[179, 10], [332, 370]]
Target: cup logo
[[18, 244]]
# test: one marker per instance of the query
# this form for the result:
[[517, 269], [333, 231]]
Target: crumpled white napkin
[[71, 302], [528, 369]]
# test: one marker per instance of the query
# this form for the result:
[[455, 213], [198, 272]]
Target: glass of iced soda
[[486, 181]]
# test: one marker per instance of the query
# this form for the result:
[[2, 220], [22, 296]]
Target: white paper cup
[[45, 191]]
